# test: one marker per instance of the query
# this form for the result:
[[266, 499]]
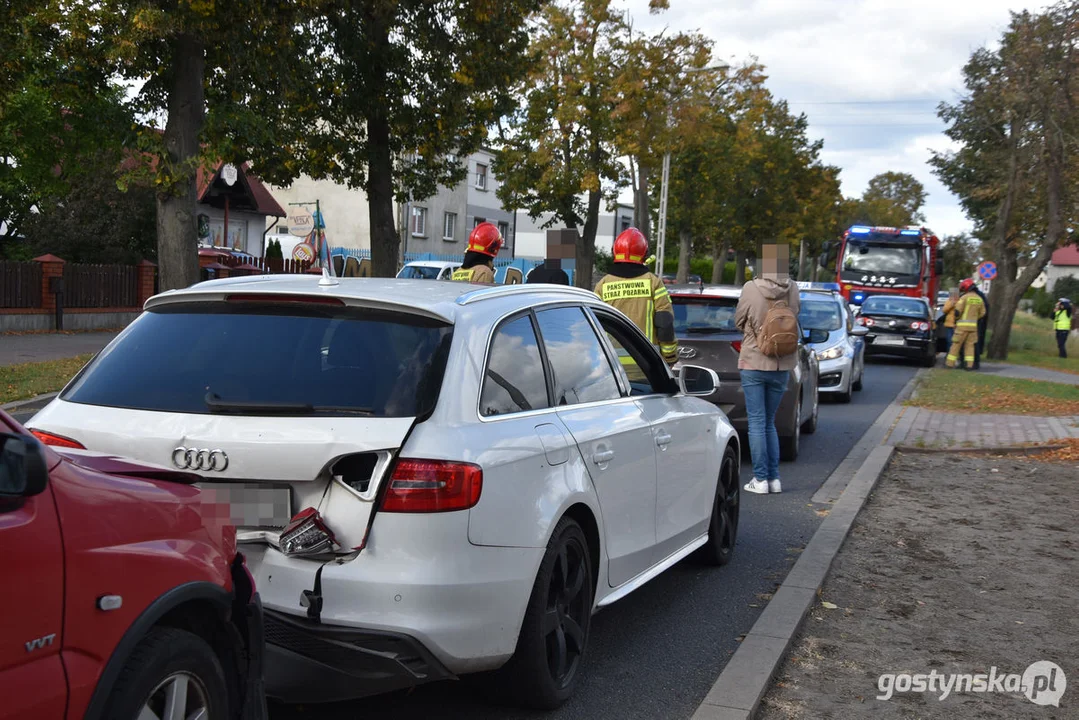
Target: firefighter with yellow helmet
[[639, 293], [484, 242], [968, 311]]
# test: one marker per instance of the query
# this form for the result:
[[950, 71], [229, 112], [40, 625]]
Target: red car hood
[[117, 465]]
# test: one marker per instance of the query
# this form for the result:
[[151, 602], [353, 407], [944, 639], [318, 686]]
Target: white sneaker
[[774, 486], [756, 486]]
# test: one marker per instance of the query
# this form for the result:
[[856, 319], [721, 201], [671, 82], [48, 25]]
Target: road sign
[[987, 270]]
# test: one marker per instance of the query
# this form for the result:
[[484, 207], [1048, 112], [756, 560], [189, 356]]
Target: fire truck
[[878, 260]]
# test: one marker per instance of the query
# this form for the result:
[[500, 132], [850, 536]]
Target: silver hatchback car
[[429, 478]]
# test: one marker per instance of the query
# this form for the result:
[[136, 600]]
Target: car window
[[704, 315], [307, 359], [637, 368], [817, 314], [514, 379], [578, 361], [419, 272], [908, 307]]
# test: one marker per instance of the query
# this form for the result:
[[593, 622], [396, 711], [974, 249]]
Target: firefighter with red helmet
[[484, 242], [968, 311], [640, 294]]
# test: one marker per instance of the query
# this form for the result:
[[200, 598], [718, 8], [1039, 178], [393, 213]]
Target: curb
[[737, 692], [1002, 450], [40, 399]]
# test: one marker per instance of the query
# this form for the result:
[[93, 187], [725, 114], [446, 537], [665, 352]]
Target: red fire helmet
[[630, 246], [485, 238]]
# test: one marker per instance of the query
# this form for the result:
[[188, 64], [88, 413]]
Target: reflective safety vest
[[474, 274], [641, 299], [1062, 320], [968, 311]]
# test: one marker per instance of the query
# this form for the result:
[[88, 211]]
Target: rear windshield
[[419, 272], [704, 314], [819, 315], [907, 307], [255, 359]]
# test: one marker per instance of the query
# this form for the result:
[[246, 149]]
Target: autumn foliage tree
[[1015, 168]]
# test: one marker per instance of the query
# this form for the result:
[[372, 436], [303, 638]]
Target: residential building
[[440, 224], [1064, 263], [532, 235], [483, 202]]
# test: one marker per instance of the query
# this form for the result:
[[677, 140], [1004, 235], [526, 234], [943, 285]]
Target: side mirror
[[859, 330], [697, 381], [23, 470]]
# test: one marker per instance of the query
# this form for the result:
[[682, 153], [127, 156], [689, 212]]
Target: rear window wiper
[[215, 404]]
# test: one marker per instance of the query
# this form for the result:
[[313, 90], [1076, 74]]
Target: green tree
[[892, 199], [559, 145], [960, 255], [404, 88], [1015, 165]]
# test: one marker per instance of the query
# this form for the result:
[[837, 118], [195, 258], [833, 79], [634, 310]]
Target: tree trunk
[[641, 217], [739, 268], [684, 252], [177, 217], [719, 261], [802, 259], [1002, 299], [586, 243], [385, 244]]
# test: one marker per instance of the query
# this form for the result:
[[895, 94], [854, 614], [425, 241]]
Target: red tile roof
[[1066, 256]]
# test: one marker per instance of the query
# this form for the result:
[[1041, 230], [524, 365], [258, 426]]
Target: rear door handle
[[600, 458], [663, 438]]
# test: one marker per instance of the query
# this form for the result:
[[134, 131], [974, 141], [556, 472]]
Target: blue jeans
[[764, 390], [948, 333]]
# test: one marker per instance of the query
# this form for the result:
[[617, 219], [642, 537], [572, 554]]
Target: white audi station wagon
[[428, 479]]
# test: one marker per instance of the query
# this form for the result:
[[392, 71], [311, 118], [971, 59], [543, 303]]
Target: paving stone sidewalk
[[924, 428], [37, 347]]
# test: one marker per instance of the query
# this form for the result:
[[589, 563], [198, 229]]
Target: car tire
[[857, 384], [844, 397], [810, 426], [788, 446], [167, 662], [723, 525], [929, 361], [544, 670]]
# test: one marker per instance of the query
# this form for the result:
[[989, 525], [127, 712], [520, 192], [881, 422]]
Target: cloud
[[867, 73]]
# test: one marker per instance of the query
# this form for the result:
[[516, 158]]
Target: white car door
[[612, 433], [687, 460]]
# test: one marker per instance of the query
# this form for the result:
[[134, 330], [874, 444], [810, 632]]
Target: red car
[[127, 597]]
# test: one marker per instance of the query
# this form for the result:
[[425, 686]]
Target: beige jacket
[[753, 305], [475, 274]]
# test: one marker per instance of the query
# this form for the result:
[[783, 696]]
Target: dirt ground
[[957, 564]]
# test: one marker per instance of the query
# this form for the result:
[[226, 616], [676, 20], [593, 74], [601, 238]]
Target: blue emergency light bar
[[910, 232], [806, 285], [859, 230]]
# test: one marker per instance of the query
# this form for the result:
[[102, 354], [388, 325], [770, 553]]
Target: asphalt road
[[656, 653]]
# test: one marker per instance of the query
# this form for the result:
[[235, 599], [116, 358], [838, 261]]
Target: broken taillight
[[306, 534], [48, 438]]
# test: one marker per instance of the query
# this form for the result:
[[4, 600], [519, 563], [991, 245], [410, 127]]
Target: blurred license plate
[[250, 505], [889, 340]]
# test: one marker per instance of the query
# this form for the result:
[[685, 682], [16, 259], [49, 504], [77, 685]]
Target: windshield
[[907, 307], [819, 315], [202, 357], [888, 259], [696, 315], [419, 272]]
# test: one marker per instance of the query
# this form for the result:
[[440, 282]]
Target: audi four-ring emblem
[[200, 459]]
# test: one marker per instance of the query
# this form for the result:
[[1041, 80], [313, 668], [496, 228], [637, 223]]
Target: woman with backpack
[[767, 315]]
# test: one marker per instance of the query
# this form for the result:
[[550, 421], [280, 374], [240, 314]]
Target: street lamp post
[[661, 234]]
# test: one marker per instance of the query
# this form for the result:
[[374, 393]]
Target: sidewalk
[[36, 347], [919, 428], [1025, 372]]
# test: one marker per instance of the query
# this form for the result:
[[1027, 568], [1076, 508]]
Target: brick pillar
[[147, 270], [51, 267]]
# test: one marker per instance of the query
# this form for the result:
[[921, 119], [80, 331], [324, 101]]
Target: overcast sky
[[867, 73]]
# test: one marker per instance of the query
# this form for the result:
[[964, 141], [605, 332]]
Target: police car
[[831, 331]]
